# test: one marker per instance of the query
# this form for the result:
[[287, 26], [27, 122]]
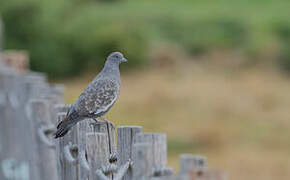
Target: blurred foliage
[[65, 37], [283, 31]]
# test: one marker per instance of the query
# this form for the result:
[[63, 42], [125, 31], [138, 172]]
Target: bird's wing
[[98, 97]]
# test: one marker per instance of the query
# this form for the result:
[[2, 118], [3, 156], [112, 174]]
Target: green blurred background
[[213, 75]]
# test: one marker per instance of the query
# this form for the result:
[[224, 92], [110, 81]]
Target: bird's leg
[[107, 121], [96, 122]]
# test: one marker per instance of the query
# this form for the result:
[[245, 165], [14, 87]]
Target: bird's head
[[116, 57]]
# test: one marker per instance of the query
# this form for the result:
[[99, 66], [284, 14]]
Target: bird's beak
[[124, 60]]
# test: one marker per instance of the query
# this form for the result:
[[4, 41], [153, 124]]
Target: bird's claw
[[97, 123]]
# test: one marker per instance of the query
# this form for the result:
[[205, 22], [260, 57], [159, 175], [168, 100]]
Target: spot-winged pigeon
[[97, 99]]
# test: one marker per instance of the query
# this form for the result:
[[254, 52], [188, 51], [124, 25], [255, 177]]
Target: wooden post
[[89, 125], [54, 93], [16, 134], [97, 154], [158, 149], [58, 108], [108, 129], [58, 90], [67, 169], [189, 162], [83, 128], [61, 108], [125, 139], [35, 83], [46, 154], [142, 161]]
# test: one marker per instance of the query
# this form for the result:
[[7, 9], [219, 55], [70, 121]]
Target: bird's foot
[[106, 121], [97, 122]]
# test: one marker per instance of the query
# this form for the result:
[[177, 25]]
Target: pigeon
[[98, 98]]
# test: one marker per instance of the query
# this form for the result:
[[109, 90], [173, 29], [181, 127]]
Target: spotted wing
[[98, 97]]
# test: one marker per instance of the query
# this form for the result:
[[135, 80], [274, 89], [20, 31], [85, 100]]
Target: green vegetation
[[66, 36]]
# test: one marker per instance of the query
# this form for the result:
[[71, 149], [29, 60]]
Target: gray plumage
[[98, 98]]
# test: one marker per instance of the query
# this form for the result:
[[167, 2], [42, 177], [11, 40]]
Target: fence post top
[[61, 115], [36, 76], [150, 137], [58, 107], [129, 127], [92, 134], [37, 101], [192, 156], [58, 88], [8, 71], [151, 134], [142, 144]]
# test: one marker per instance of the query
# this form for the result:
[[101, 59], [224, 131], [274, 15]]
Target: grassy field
[[239, 119]]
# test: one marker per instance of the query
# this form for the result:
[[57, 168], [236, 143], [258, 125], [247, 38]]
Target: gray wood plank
[[142, 161], [17, 133], [83, 128], [189, 162], [67, 170], [158, 148], [108, 129], [97, 153], [46, 154], [125, 139]]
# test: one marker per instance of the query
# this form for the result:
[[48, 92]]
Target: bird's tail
[[64, 126]]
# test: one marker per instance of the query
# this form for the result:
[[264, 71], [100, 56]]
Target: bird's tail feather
[[64, 126]]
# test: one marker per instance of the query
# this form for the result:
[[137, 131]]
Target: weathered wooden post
[[55, 96], [189, 162], [125, 140], [97, 154], [58, 108], [38, 111], [87, 126], [34, 83], [158, 150], [59, 90], [55, 110], [142, 161], [108, 129], [58, 93], [83, 128], [66, 147], [16, 159]]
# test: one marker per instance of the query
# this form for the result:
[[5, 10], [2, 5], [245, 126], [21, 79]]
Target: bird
[[97, 98]]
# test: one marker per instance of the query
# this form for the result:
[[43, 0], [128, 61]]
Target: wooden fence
[[29, 110]]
